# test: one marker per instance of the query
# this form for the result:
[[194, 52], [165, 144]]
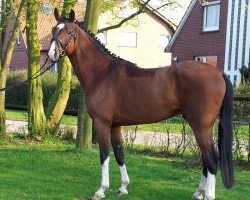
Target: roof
[[180, 26], [152, 10], [46, 22]]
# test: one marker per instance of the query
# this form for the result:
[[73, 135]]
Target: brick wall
[[192, 41]]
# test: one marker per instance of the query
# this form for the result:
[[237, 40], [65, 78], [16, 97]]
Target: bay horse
[[120, 93]]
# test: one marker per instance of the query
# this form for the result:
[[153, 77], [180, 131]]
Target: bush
[[244, 89], [17, 96]]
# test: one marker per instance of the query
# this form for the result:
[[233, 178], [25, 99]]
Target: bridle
[[61, 45], [39, 73]]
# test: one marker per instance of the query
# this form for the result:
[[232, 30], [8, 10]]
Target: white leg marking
[[201, 188], [52, 51], [124, 179], [105, 179], [210, 187]]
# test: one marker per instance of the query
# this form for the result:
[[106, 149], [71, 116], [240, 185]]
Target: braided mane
[[92, 35]]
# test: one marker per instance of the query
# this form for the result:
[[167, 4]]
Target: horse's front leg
[[103, 133], [119, 155]]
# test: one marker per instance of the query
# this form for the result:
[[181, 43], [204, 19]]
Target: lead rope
[[34, 76]]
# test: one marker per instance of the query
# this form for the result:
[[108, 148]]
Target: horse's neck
[[88, 59]]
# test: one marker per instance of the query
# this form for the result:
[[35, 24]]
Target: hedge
[[17, 96]]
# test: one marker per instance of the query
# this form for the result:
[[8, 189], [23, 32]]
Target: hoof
[[197, 195], [120, 193], [97, 197], [194, 198]]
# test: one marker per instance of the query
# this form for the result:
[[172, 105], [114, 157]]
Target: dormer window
[[46, 9], [211, 16]]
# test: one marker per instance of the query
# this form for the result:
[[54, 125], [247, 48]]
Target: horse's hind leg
[[119, 155], [210, 162]]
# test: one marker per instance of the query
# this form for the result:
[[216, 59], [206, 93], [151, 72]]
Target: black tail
[[225, 136]]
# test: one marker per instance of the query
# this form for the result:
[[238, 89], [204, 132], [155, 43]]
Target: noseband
[[63, 47]]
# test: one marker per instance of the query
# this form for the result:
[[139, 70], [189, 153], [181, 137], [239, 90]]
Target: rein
[[36, 75], [61, 55]]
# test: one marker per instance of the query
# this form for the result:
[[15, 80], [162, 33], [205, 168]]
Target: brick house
[[215, 32], [20, 55], [131, 43]]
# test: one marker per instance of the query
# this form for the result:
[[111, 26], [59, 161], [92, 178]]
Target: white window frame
[[205, 7], [160, 44], [102, 37], [46, 8], [204, 58], [121, 43], [54, 68], [18, 40]]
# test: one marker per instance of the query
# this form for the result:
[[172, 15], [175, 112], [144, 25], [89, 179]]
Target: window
[[102, 37], [127, 39], [46, 9], [211, 60], [211, 16], [18, 40], [54, 68], [163, 40]]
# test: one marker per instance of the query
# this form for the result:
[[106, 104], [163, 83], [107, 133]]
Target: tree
[[7, 12], [38, 122], [93, 10], [84, 125], [36, 116], [59, 100]]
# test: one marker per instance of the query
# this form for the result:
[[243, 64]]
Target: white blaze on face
[[60, 26], [52, 50]]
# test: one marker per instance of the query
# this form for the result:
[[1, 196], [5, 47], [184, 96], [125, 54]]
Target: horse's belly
[[144, 115]]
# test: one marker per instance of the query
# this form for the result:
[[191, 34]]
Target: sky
[[174, 14]]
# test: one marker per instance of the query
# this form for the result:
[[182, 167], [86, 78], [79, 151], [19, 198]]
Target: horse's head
[[64, 35]]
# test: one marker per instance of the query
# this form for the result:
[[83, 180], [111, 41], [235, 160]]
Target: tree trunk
[[36, 116], [4, 65], [84, 126], [60, 98], [2, 108], [58, 102]]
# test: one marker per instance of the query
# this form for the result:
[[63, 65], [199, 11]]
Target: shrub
[[18, 95], [244, 88]]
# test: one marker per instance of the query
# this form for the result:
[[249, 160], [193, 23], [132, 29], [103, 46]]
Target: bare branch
[[140, 10], [164, 5]]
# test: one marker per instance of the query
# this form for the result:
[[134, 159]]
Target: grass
[[22, 115], [55, 170]]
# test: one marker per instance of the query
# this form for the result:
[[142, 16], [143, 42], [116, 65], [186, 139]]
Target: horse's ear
[[57, 15], [72, 16]]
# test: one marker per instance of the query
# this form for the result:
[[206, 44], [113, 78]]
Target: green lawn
[[55, 170], [22, 115]]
